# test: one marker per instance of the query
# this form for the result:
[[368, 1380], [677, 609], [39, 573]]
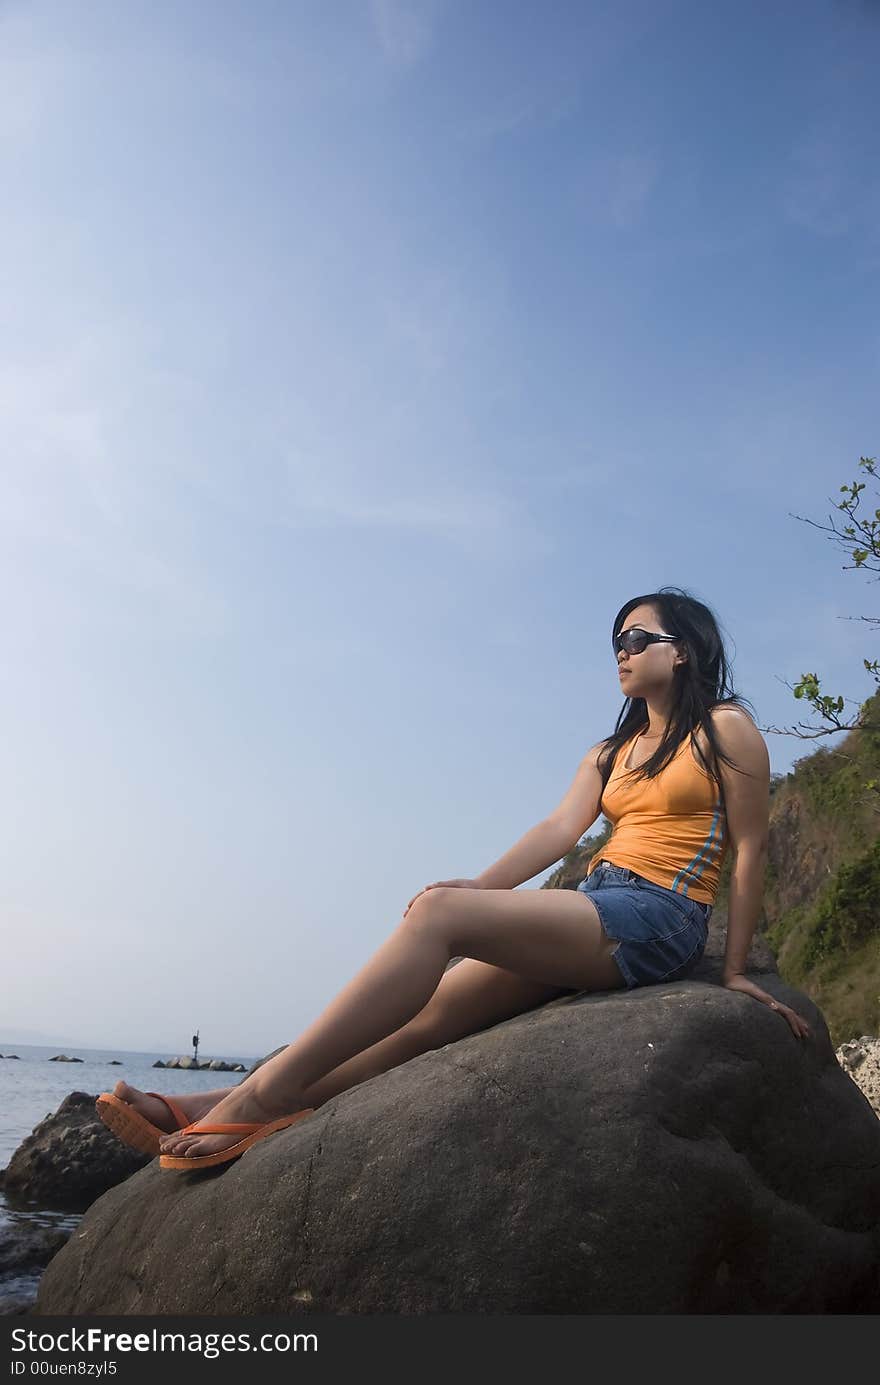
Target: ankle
[[273, 1097]]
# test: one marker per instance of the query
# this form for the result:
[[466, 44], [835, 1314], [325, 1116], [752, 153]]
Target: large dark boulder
[[69, 1159], [673, 1149]]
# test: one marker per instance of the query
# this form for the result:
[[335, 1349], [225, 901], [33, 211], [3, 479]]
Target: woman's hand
[[461, 884], [738, 982]]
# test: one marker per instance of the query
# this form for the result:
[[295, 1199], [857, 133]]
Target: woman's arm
[[540, 848], [743, 906], [544, 845], [747, 795]]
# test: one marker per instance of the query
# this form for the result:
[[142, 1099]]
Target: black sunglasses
[[634, 640]]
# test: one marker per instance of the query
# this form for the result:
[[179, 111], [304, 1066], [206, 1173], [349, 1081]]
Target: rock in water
[[69, 1159], [672, 1149], [24, 1251]]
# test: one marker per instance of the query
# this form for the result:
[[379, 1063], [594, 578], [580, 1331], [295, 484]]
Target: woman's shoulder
[[724, 711], [735, 729]]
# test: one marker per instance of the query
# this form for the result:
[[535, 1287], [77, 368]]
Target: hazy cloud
[[430, 320], [524, 108], [404, 28], [615, 189], [324, 493], [816, 193], [73, 495]]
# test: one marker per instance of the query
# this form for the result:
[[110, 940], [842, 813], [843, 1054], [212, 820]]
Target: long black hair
[[701, 682]]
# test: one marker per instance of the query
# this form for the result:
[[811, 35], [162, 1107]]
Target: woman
[[684, 776]]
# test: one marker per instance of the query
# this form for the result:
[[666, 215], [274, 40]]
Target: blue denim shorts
[[662, 933]]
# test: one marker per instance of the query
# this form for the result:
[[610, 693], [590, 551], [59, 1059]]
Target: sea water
[[32, 1087]]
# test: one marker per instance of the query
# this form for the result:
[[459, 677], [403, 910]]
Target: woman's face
[[652, 670]]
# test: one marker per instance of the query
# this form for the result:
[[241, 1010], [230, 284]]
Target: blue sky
[[358, 361]]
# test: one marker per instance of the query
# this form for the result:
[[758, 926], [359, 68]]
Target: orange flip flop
[[250, 1132], [133, 1128]]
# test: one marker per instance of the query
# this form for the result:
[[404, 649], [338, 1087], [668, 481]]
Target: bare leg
[[471, 996], [550, 936], [409, 1041], [194, 1104]]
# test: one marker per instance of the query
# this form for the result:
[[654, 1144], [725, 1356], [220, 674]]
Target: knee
[[429, 908]]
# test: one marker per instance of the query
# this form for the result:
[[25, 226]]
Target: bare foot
[[194, 1104], [242, 1106]]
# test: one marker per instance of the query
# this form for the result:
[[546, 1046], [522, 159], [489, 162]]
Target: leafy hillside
[[822, 886]]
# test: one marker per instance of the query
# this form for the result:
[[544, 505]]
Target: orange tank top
[[670, 829]]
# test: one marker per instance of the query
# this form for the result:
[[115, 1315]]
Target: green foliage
[[833, 783], [829, 785], [822, 882], [845, 914], [784, 935], [809, 687]]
